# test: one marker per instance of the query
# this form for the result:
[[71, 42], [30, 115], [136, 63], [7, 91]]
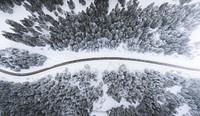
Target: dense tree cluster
[[191, 93], [74, 94], [83, 2], [147, 88], [161, 29], [65, 94], [17, 59], [7, 5], [182, 2]]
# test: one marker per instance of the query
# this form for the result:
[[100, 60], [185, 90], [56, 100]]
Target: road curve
[[98, 59]]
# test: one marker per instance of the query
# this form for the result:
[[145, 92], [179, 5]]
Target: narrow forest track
[[99, 59]]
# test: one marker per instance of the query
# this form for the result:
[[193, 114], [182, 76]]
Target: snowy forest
[[95, 28], [69, 94], [48, 70], [16, 59]]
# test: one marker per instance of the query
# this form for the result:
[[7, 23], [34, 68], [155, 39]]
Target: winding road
[[98, 59]]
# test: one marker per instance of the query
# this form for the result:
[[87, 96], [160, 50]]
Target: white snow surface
[[55, 57], [195, 36], [175, 89], [19, 14], [195, 42], [183, 110]]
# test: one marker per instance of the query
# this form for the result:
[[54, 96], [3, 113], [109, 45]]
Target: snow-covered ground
[[195, 43], [195, 36], [5, 27], [62, 56], [183, 110], [55, 57], [175, 89]]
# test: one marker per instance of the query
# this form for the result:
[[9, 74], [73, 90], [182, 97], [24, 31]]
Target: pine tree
[[83, 2], [71, 4], [122, 2]]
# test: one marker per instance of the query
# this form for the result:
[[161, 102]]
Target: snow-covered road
[[100, 59]]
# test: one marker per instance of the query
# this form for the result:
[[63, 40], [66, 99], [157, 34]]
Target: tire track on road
[[99, 59]]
